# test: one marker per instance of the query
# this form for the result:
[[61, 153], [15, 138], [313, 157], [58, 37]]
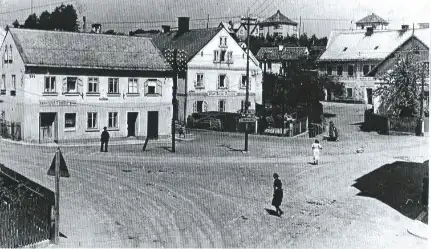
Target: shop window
[[113, 85], [49, 84], [92, 120], [113, 120], [70, 121]]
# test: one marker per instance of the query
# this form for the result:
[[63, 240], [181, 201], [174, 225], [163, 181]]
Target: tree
[[65, 18], [16, 24], [400, 93], [32, 22], [45, 21]]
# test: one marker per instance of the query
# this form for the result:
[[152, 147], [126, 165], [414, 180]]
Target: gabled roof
[[227, 26], [86, 50], [2, 35], [354, 45], [236, 26], [373, 18], [278, 19], [191, 41], [287, 53]]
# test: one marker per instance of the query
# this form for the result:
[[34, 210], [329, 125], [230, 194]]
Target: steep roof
[[86, 50], [2, 35], [354, 45], [373, 18], [227, 26], [191, 41], [287, 53], [278, 18]]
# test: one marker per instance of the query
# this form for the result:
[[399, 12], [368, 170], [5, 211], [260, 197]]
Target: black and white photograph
[[214, 124]]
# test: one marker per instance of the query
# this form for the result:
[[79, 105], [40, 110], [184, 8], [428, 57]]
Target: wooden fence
[[25, 210]]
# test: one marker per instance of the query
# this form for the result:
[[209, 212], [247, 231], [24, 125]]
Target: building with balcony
[[351, 56], [62, 86], [215, 77]]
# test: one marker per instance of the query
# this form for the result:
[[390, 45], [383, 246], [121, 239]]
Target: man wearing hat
[[104, 139]]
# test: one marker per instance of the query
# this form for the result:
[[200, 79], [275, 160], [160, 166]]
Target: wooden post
[[57, 196], [145, 144]]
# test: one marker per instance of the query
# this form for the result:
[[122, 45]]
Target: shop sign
[[221, 93], [57, 102]]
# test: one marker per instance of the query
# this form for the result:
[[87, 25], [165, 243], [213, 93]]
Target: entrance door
[[370, 96], [132, 117], [48, 128], [153, 125]]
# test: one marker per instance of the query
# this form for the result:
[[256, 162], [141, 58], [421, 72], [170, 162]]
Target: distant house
[[277, 59], [278, 25], [62, 86], [373, 20], [353, 57], [228, 26], [241, 32], [215, 79]]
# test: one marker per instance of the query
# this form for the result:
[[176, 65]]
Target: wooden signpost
[[58, 169]]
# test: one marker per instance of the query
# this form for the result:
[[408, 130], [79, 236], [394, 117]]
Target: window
[[222, 81], [269, 65], [223, 56], [230, 57], [10, 53], [340, 70], [372, 67], [113, 85], [199, 80], [365, 69], [216, 56], [153, 88], [13, 89], [221, 105], [71, 86], [5, 55], [329, 70], [69, 120], [133, 86], [350, 70], [242, 105], [92, 120], [113, 120], [202, 53], [93, 85], [199, 106], [349, 92], [49, 84], [3, 84]]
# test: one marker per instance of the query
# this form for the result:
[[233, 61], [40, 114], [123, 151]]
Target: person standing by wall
[[104, 139], [316, 147]]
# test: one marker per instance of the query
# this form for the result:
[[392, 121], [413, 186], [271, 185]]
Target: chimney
[[166, 28], [369, 31], [280, 47], [404, 27], [183, 24], [84, 25], [96, 28]]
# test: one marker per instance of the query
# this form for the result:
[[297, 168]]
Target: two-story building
[[278, 25], [277, 59], [62, 86], [351, 55], [215, 78]]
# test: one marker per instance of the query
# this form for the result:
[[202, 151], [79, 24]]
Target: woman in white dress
[[316, 147]]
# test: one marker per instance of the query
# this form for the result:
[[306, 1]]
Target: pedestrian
[[278, 195], [104, 139], [331, 130], [316, 147]]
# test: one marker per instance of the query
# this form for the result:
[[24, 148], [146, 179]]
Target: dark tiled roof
[[287, 53], [373, 18], [278, 18], [86, 50], [191, 41]]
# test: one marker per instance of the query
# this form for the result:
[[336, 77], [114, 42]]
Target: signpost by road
[[58, 169], [247, 120]]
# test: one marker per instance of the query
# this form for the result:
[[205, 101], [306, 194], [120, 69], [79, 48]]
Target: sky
[[318, 17]]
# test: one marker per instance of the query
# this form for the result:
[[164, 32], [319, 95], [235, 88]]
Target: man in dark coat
[[104, 139], [278, 195]]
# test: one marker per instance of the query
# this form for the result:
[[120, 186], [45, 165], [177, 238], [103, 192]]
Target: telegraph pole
[[174, 97], [421, 120]]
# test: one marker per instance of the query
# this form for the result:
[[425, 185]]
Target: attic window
[[202, 53], [345, 48], [376, 47]]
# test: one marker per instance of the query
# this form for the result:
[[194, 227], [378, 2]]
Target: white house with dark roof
[[278, 25], [351, 55], [277, 59], [215, 79], [373, 21], [62, 86]]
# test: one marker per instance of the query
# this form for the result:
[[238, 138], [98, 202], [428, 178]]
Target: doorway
[[370, 96], [153, 125], [48, 127], [132, 117]]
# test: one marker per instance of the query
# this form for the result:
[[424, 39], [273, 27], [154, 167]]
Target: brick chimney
[[370, 31], [183, 24], [404, 27], [84, 25], [166, 28]]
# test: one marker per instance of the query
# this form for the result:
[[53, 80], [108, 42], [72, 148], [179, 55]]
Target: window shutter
[[159, 88], [204, 106], [215, 55], [146, 88], [218, 81], [80, 85], [196, 80], [64, 85], [195, 108], [226, 82]]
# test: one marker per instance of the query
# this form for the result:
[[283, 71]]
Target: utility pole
[[174, 97], [421, 119], [57, 197], [31, 6], [208, 21], [247, 103]]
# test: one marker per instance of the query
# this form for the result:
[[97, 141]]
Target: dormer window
[[376, 47], [345, 48]]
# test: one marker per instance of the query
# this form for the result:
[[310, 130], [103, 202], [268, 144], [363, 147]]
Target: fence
[[25, 210], [385, 124], [10, 130]]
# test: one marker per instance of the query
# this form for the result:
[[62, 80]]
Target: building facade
[[62, 86], [215, 79]]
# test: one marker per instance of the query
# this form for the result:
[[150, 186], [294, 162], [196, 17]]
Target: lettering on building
[[57, 102]]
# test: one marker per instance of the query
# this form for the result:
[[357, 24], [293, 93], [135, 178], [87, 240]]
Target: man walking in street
[[104, 139], [278, 195]]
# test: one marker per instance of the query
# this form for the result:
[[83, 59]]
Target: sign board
[[57, 102], [221, 93], [247, 120], [64, 172]]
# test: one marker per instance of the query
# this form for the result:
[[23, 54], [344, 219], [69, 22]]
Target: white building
[[278, 25], [215, 79]]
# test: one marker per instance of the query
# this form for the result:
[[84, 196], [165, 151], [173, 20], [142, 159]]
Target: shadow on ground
[[271, 212], [329, 115], [398, 185]]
